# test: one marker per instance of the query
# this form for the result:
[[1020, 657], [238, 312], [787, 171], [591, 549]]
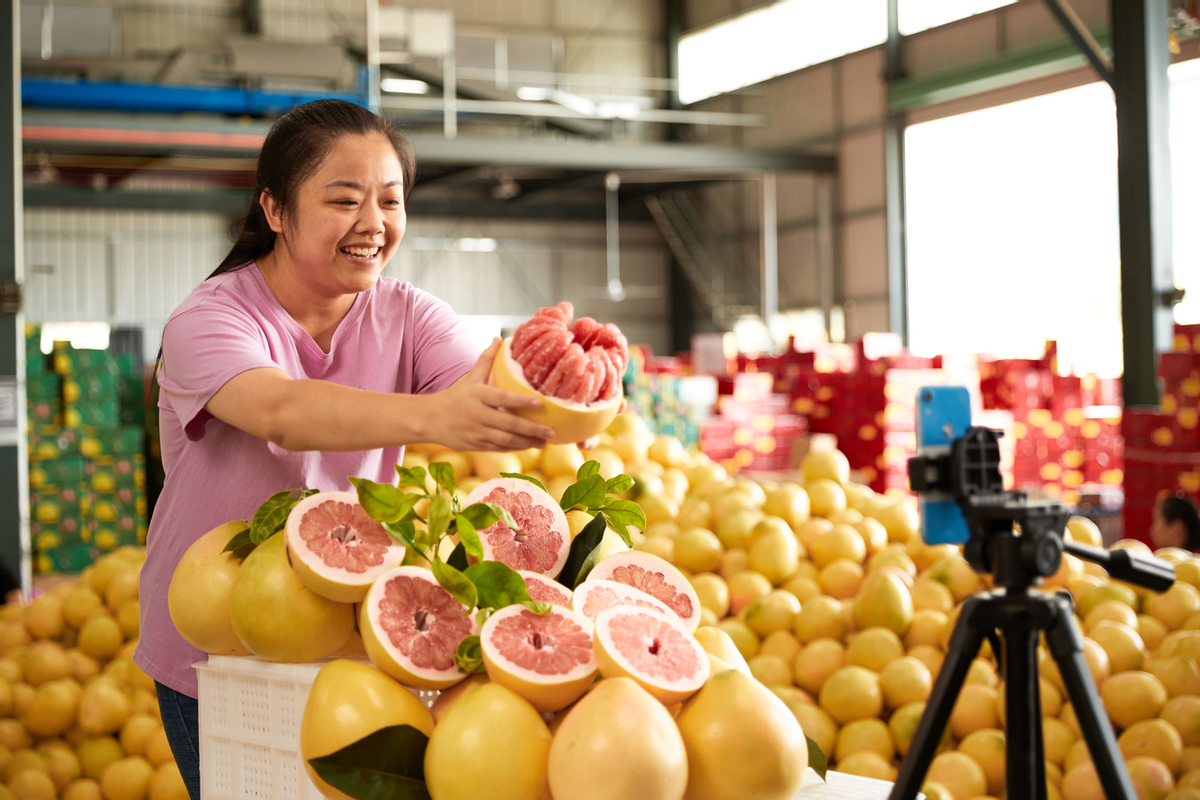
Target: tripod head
[[1005, 532]]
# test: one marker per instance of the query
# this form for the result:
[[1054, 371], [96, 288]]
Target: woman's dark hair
[[1179, 507], [293, 150]]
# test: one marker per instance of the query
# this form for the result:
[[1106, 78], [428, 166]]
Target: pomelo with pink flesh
[[545, 590], [657, 578], [655, 650], [411, 628], [544, 540], [592, 597], [336, 550], [545, 658]]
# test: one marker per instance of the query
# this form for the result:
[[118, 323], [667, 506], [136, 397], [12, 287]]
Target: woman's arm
[[320, 415]]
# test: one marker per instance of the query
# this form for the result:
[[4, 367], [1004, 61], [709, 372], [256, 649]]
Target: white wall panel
[[798, 269], [800, 107], [861, 182], [961, 42], [795, 198], [864, 96], [864, 257]]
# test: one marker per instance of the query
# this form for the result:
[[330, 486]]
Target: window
[[786, 36], [1012, 226]]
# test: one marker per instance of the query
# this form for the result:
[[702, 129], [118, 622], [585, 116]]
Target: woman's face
[[347, 218]]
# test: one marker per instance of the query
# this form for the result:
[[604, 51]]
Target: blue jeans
[[181, 722]]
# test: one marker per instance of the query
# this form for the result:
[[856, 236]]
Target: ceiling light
[[534, 93], [403, 86]]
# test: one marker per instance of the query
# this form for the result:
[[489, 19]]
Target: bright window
[[1012, 226], [793, 34]]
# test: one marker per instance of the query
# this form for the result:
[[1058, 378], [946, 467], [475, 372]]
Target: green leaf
[[469, 655], [538, 607], [582, 545], [388, 764], [414, 477], [498, 584], [624, 513], [817, 759], [458, 558], [382, 501], [272, 515], [588, 565], [485, 515], [519, 476], [443, 475], [619, 485], [456, 583], [439, 517], [587, 470], [618, 529], [404, 531], [239, 541], [468, 537], [426, 541], [587, 493]]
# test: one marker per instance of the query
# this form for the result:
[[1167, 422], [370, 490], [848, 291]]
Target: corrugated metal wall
[[132, 268]]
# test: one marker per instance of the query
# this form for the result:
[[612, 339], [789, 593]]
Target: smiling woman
[[296, 365]]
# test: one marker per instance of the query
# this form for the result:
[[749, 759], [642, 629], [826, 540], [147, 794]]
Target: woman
[[1176, 524], [296, 365]]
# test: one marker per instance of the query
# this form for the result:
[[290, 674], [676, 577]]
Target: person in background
[[1176, 524]]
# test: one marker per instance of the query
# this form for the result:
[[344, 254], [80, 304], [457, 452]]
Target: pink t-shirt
[[396, 338]]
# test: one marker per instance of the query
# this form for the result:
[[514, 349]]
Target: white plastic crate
[[250, 712]]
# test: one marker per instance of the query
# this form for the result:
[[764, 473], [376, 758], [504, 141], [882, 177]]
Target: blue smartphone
[[943, 415]]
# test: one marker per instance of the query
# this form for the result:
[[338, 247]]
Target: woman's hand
[[473, 415]]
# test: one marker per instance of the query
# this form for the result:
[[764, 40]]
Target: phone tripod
[[1013, 616]]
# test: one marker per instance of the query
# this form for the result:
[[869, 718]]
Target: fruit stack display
[[87, 472], [78, 719], [836, 603], [1162, 445], [653, 389], [753, 429]]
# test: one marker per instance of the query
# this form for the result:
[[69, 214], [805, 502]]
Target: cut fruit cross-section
[[544, 590], [544, 540], [657, 578], [411, 628], [592, 597], [545, 658], [655, 650]]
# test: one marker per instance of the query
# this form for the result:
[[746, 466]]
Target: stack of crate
[[86, 449]]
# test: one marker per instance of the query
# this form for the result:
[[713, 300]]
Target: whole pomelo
[[347, 702], [268, 602], [490, 744], [198, 598], [127, 779], [618, 742], [884, 601], [742, 741]]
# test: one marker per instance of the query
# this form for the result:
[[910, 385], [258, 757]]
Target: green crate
[[66, 471], [107, 536], [92, 415], [50, 535], [53, 505], [43, 386], [65, 559], [86, 388], [43, 412], [129, 365], [133, 415], [125, 441]]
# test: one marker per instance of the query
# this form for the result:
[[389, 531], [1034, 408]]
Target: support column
[[14, 466], [825, 270], [1140, 61], [770, 250], [897, 256]]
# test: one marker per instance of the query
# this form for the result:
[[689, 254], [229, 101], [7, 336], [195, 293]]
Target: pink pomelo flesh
[[582, 363], [341, 534], [422, 621], [544, 590], [592, 597], [655, 577], [653, 646], [543, 540], [543, 644]]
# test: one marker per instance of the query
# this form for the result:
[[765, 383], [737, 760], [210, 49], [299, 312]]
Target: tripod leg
[[1025, 762], [973, 623], [1066, 646]]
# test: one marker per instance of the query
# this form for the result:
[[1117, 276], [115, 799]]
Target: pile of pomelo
[[836, 603], [80, 720]]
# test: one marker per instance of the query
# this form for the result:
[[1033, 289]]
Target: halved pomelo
[[411, 628], [576, 370], [336, 549], [545, 658], [544, 540], [592, 597], [657, 578], [546, 590], [656, 650]]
